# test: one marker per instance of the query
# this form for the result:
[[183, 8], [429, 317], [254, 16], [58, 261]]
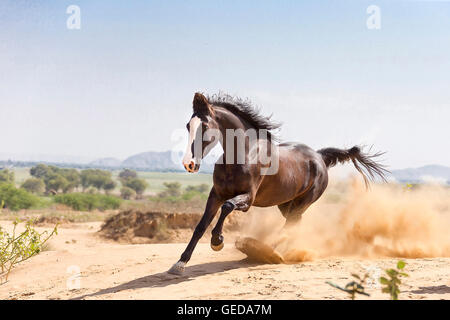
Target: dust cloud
[[388, 220]]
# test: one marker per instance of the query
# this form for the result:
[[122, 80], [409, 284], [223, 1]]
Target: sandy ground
[[80, 265]]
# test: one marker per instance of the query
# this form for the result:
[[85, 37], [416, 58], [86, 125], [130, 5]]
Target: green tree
[[109, 186], [96, 178], [57, 178], [73, 179], [7, 176], [56, 182], [127, 174], [127, 193], [34, 185], [39, 171], [138, 185]]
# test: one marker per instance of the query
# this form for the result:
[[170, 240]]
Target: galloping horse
[[300, 178]]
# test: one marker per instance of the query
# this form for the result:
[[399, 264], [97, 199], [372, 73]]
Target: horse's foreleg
[[241, 202], [212, 205]]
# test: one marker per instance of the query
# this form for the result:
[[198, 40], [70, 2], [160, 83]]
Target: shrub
[[198, 191], [173, 189], [15, 248], [88, 202], [392, 284], [202, 188], [6, 176], [127, 193], [189, 195], [34, 185], [92, 190], [16, 199], [354, 287]]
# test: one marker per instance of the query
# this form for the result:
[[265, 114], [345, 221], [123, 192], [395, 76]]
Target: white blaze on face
[[193, 127]]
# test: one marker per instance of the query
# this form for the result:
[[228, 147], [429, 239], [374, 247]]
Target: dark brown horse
[[294, 177]]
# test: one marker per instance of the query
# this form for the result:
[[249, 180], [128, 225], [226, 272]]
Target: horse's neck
[[229, 121]]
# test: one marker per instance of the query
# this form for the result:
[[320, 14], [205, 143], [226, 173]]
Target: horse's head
[[200, 127]]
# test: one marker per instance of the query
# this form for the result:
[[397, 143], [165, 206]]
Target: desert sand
[[108, 270], [352, 231]]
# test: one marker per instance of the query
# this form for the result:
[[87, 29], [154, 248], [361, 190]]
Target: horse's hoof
[[177, 268], [217, 243], [218, 247]]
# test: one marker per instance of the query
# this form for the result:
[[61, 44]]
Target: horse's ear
[[201, 104]]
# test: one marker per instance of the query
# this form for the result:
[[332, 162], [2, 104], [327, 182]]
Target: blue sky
[[124, 82]]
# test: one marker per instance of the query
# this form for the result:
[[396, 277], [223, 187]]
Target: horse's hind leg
[[294, 209], [292, 212]]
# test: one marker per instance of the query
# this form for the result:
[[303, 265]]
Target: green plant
[[392, 284], [353, 287], [172, 189], [16, 199], [126, 174], [127, 193], [6, 176], [88, 202], [100, 179], [202, 188], [57, 178], [16, 248], [138, 185], [109, 186], [34, 185], [91, 190]]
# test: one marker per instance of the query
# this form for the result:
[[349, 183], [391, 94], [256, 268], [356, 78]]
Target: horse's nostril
[[191, 165]]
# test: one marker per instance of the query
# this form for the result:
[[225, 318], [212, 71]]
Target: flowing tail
[[363, 162]]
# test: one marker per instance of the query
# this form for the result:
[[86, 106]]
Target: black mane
[[245, 109]]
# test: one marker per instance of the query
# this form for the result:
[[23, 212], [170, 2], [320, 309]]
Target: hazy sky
[[124, 82]]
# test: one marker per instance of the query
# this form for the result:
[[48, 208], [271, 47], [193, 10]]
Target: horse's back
[[301, 171]]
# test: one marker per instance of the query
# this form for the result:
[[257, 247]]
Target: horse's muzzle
[[191, 167]]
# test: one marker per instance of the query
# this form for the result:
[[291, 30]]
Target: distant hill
[[152, 160], [106, 163], [162, 161], [425, 173]]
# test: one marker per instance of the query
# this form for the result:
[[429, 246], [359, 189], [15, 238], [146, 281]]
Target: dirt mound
[[149, 227]]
